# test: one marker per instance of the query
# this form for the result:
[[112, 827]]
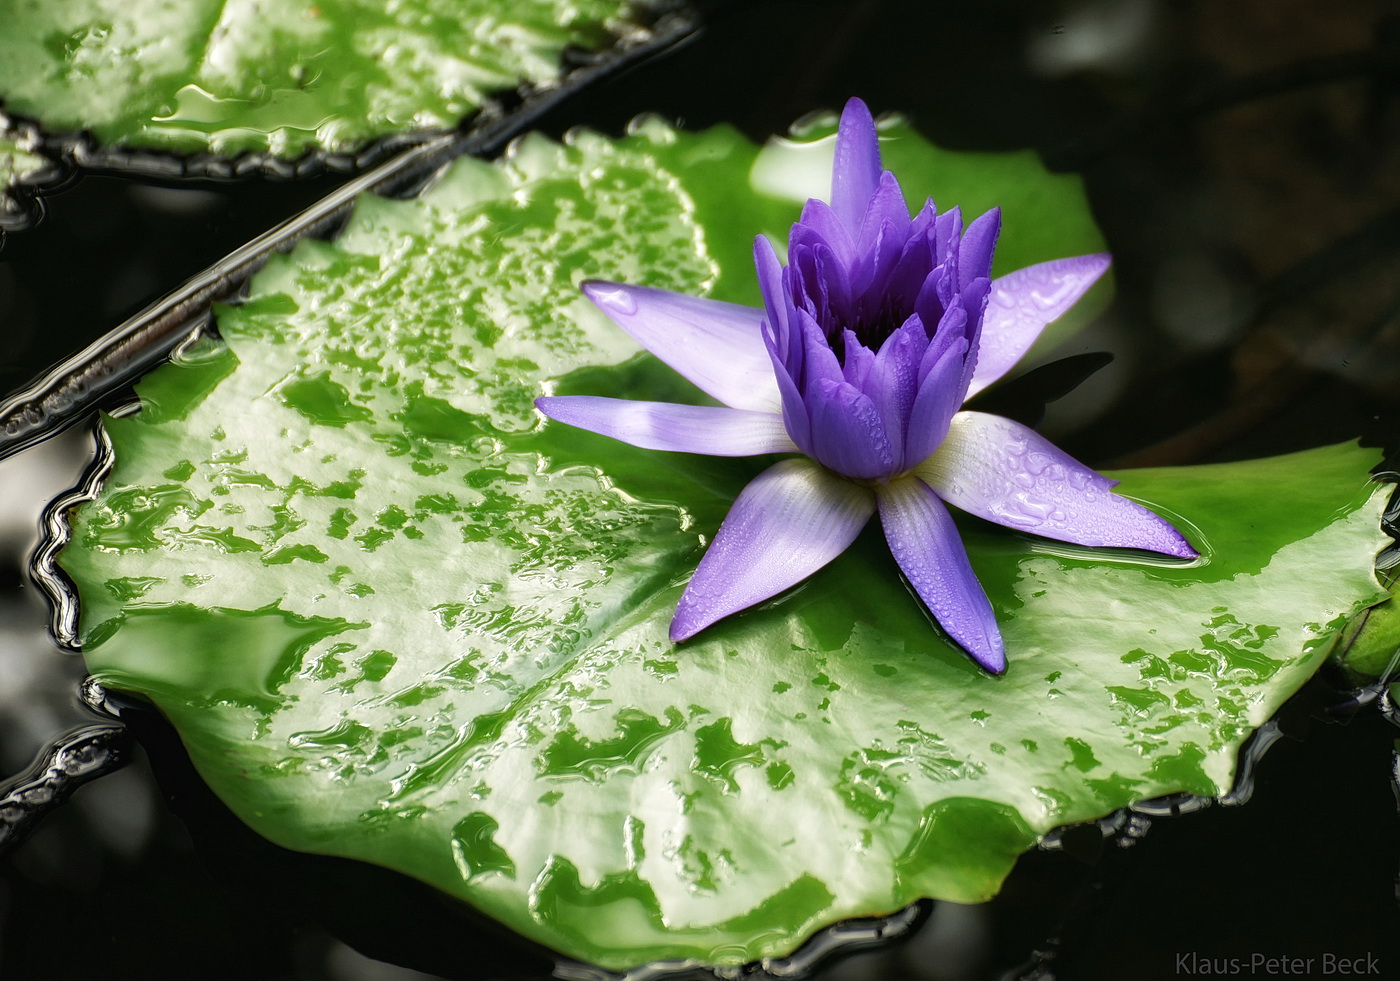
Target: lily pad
[[396, 617], [228, 76]]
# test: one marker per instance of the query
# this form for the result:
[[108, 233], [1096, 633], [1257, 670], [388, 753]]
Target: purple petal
[[836, 286], [978, 244], [857, 360], [847, 433], [1023, 303], [936, 291], [921, 225], [925, 543], [804, 279], [886, 209], [893, 381], [819, 218], [790, 520], [818, 278], [911, 270], [770, 284], [794, 411], [855, 173], [708, 429], [1002, 471], [947, 233], [951, 328], [785, 343], [973, 298], [717, 346], [870, 276], [819, 361], [938, 398]]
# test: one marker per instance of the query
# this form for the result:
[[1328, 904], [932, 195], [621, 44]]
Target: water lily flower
[[870, 339]]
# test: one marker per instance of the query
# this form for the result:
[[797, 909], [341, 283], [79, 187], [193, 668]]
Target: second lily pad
[[227, 76], [18, 167]]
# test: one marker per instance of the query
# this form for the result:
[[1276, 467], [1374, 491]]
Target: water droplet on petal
[[1050, 301], [616, 300], [1037, 462]]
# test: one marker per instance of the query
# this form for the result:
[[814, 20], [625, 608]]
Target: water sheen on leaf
[[228, 76], [397, 617]]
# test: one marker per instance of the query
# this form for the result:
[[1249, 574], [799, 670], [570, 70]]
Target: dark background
[[1243, 160]]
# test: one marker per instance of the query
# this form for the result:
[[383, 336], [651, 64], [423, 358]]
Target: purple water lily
[[869, 341]]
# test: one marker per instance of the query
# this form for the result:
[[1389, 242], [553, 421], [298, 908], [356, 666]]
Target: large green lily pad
[[395, 616], [228, 76]]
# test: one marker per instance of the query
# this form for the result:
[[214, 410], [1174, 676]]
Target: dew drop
[[1050, 301], [614, 300]]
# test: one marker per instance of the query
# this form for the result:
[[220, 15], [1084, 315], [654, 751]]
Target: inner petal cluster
[[873, 328]]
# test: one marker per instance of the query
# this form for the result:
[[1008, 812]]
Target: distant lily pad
[[396, 617], [18, 166], [228, 76]]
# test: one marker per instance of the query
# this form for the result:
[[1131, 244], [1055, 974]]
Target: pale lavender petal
[[925, 543], [978, 244], [855, 173], [1007, 473], [717, 346], [790, 520], [847, 433], [708, 429], [1023, 303]]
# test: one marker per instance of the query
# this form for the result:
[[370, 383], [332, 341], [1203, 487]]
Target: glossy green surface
[[233, 75], [1370, 647], [16, 164], [397, 617]]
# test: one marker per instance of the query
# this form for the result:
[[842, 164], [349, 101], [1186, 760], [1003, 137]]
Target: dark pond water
[[1243, 160]]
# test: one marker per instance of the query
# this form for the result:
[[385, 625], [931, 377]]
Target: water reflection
[[38, 683]]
